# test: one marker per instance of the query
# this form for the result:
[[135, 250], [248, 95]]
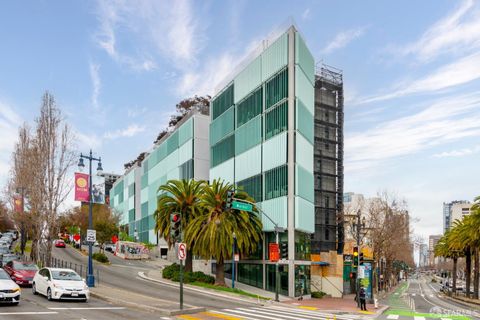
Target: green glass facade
[[262, 141]]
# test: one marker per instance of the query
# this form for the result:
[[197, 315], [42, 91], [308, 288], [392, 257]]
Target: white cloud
[[130, 131], [459, 32], [96, 83], [456, 73], [444, 121], [458, 153], [306, 14], [343, 38], [136, 111], [9, 123]]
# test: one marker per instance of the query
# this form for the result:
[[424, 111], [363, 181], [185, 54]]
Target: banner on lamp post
[[18, 204], [81, 187]]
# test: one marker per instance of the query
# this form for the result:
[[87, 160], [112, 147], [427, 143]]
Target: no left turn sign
[[182, 251]]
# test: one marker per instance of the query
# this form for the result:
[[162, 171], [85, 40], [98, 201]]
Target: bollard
[[375, 301]]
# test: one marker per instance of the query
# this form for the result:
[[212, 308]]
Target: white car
[[58, 284], [9, 290]]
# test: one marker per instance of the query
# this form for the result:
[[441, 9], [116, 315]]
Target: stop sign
[[114, 239], [76, 237]]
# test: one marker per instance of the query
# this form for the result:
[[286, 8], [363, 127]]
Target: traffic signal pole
[[277, 272], [357, 282]]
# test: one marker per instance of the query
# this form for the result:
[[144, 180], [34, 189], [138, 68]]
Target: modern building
[[432, 242], [448, 218], [262, 140], [460, 210], [423, 255], [180, 154]]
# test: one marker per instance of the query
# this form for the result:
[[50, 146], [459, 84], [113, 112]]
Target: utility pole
[[357, 282]]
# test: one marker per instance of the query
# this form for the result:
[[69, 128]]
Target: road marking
[[445, 319], [184, 316], [308, 308], [413, 294], [396, 293], [311, 313], [418, 318], [221, 316], [89, 308], [246, 313], [431, 295], [393, 316], [27, 313], [422, 295]]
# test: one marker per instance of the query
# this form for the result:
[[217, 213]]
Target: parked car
[[9, 290], [21, 273], [60, 284], [110, 247], [7, 257], [59, 243], [4, 250]]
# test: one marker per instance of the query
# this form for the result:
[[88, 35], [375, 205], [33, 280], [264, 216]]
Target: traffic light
[[284, 250], [360, 258], [355, 256], [228, 202], [175, 225]]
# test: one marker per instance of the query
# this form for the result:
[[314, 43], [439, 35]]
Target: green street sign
[[243, 206]]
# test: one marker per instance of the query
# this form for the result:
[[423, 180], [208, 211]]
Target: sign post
[[91, 235], [182, 255]]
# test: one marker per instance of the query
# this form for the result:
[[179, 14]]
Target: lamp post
[[233, 260], [358, 226], [81, 166]]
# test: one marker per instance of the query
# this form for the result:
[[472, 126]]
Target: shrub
[[318, 294], [169, 271], [100, 257], [172, 272], [434, 280]]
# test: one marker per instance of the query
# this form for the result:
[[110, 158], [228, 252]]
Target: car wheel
[[34, 289], [15, 304], [85, 300], [49, 294]]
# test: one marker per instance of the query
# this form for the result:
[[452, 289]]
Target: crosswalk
[[273, 313], [396, 317], [413, 294]]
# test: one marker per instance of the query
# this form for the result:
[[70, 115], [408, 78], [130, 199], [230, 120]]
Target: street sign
[[91, 235], [361, 272], [273, 251], [182, 251], [237, 257], [76, 237], [243, 206]]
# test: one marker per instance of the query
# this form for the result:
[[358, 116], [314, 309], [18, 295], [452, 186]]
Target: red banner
[[18, 204], [81, 187], [273, 251]]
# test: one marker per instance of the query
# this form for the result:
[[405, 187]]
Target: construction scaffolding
[[328, 160]]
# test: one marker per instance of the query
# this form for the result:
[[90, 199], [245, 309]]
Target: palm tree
[[460, 239], [178, 196], [474, 226], [446, 248], [212, 231]]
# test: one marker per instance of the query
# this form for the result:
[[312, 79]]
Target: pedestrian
[[362, 296]]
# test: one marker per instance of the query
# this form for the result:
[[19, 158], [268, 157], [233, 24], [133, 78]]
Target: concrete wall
[[330, 285]]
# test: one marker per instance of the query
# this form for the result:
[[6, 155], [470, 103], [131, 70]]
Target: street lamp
[[358, 228], [233, 259], [81, 166]]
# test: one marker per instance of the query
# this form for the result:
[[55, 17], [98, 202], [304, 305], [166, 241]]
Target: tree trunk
[[220, 274], [33, 252], [476, 274], [468, 271], [189, 262], [23, 240], [454, 276]]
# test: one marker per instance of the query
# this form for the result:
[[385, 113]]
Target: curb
[[143, 307], [209, 293], [471, 304]]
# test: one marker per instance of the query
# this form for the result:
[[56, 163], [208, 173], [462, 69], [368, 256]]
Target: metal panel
[[185, 132], [304, 183], [304, 215], [248, 79], [275, 152], [224, 171], [248, 163], [304, 58], [304, 121], [173, 174], [304, 152], [185, 152], [275, 57], [276, 209], [222, 126], [304, 90], [248, 135]]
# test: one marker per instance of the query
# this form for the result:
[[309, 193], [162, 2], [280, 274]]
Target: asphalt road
[[123, 274], [38, 307]]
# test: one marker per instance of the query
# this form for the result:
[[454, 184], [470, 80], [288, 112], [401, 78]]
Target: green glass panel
[[304, 121], [304, 186], [145, 209], [275, 57], [248, 135], [276, 120], [185, 132], [276, 182], [252, 186], [248, 79], [161, 152], [131, 190], [222, 126], [304, 58], [250, 107], [222, 102], [222, 151], [131, 215], [276, 89], [172, 142]]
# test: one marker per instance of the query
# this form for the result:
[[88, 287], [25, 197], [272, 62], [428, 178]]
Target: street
[[421, 299]]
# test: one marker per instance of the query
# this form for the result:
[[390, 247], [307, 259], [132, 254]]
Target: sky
[[117, 68]]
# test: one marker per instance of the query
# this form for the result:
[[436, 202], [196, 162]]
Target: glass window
[[249, 107], [251, 274], [276, 120], [186, 170], [276, 88], [302, 280], [223, 150], [65, 275], [276, 182], [253, 187], [302, 246], [222, 102], [270, 277], [131, 190]]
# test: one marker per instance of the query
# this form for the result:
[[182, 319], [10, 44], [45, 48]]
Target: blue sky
[[117, 69]]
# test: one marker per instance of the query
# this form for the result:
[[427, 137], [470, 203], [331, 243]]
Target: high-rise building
[[432, 242], [262, 140], [180, 154], [448, 218], [328, 161]]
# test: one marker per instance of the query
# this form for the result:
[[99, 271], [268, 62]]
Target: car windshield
[[65, 275], [25, 266], [3, 275], [8, 257], [4, 250]]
